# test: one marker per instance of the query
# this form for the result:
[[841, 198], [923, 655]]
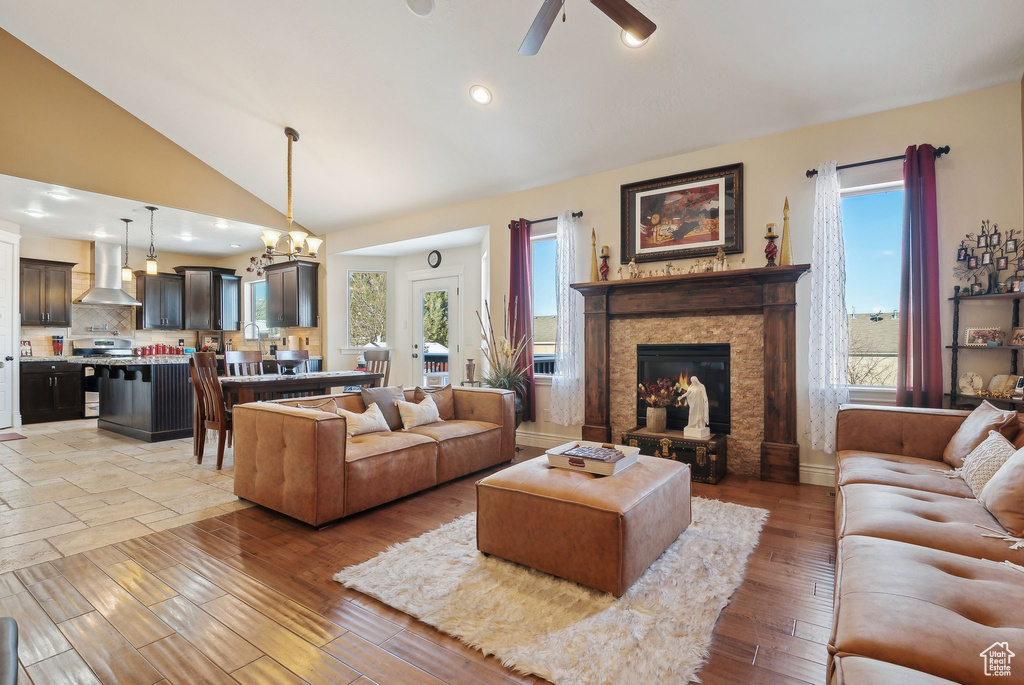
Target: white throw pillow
[[985, 459], [418, 414], [370, 421]]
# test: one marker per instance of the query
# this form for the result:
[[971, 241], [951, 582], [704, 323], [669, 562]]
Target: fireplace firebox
[[679, 363]]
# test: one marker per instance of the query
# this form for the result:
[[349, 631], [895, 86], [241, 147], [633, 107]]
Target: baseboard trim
[[817, 474], [543, 440]]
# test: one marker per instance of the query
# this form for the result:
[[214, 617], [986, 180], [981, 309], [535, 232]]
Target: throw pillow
[[1003, 495], [370, 421], [444, 398], [975, 428], [418, 414], [983, 462], [1018, 441], [385, 399]]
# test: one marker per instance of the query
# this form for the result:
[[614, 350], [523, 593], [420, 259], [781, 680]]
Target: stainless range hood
[[106, 285]]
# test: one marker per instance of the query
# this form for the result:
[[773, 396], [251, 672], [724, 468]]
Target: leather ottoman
[[599, 531]]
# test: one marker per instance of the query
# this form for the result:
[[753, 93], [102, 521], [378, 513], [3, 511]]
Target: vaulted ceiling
[[380, 95]]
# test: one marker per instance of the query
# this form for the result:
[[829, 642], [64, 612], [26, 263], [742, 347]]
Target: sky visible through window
[[872, 233], [544, 300]]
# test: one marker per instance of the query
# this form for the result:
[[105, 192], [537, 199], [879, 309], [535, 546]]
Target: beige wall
[[982, 178], [56, 129]]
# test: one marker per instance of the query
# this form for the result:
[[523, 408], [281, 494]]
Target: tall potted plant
[[502, 355], [658, 396]]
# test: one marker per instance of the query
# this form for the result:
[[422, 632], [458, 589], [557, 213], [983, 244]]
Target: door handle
[[9, 358], [415, 356]]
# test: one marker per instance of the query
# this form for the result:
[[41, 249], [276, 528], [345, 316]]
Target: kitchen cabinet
[[51, 391], [46, 293], [161, 296], [212, 299], [292, 294]]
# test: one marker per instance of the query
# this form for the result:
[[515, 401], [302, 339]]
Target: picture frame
[[977, 288], [961, 254], [1002, 263], [972, 262], [983, 240], [1020, 286], [983, 336], [1016, 337], [1015, 285], [1010, 245], [986, 258], [994, 239], [687, 215]]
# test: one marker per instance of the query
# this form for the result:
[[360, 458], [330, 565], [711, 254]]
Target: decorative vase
[[657, 417], [470, 370]]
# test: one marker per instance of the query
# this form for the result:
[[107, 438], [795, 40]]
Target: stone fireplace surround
[[754, 310], [745, 336]]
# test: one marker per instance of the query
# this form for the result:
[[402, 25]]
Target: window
[[256, 310], [873, 237], [367, 308], [545, 304]]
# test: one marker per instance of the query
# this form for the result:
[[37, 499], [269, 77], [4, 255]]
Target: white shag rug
[[658, 632]]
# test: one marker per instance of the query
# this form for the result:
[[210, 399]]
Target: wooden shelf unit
[[954, 388]]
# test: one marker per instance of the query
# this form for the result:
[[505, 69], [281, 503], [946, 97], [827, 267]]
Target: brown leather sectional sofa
[[920, 591], [292, 456]]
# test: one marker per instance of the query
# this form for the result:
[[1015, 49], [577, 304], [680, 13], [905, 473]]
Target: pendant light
[[151, 266], [126, 271]]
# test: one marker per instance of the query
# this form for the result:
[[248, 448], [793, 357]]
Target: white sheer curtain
[[567, 380], [829, 344]]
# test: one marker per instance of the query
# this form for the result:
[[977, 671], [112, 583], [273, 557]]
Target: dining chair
[[243, 363], [294, 354], [379, 361], [212, 412]]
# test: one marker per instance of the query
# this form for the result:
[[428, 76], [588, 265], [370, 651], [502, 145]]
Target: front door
[[435, 345], [8, 328]]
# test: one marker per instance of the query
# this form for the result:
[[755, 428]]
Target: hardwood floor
[[248, 597]]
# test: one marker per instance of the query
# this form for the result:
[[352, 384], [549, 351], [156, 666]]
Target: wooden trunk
[[707, 458]]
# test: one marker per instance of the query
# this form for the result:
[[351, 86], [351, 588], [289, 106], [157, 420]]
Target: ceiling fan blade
[[628, 17], [540, 27]]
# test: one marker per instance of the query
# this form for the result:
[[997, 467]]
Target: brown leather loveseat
[[292, 456], [921, 591]]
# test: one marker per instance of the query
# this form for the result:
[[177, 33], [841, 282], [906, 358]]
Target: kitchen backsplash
[[98, 322]]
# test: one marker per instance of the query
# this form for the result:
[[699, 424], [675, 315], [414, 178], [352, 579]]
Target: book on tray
[[593, 457]]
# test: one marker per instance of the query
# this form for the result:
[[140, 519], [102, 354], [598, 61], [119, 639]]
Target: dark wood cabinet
[[46, 293], [51, 391], [213, 298], [292, 294], [161, 297]]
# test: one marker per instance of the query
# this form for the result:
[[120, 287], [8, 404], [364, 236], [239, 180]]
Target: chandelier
[[296, 240]]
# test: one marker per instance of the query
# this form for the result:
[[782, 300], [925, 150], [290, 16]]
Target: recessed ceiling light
[[186, 236], [59, 195], [35, 213], [235, 245], [480, 95], [632, 42], [420, 7], [222, 224], [101, 233]]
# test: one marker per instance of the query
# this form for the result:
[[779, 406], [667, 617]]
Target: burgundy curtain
[[919, 367], [520, 305]]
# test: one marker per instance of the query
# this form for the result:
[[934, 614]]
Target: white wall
[[981, 178]]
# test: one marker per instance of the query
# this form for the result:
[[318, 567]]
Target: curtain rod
[[939, 151], [575, 215]]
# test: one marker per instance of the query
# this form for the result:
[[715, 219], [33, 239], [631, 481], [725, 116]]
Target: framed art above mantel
[[683, 216]]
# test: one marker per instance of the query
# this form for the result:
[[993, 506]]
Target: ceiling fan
[[621, 12]]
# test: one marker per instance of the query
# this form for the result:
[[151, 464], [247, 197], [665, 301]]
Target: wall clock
[[434, 259]]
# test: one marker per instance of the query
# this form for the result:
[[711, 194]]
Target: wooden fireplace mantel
[[769, 291]]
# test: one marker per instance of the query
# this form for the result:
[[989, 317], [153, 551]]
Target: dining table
[[242, 389]]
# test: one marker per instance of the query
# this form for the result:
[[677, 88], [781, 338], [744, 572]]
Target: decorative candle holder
[[771, 250]]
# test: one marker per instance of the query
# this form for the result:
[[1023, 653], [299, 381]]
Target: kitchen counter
[[132, 361]]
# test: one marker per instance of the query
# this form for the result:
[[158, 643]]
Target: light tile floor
[[70, 487]]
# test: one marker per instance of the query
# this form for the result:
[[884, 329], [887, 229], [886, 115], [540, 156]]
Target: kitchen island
[[147, 398]]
